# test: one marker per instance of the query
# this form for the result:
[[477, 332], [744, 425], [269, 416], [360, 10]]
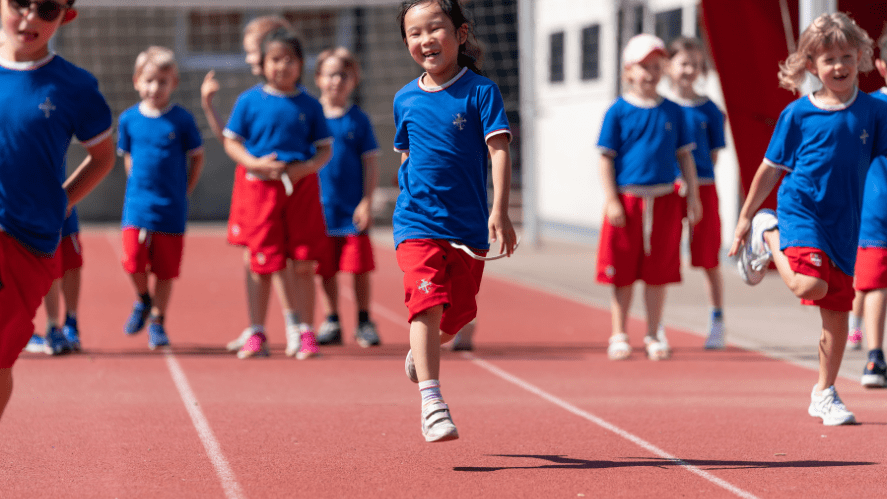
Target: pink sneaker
[[309, 346], [854, 339], [255, 346]]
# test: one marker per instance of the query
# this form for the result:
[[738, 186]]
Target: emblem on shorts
[[610, 271], [424, 286], [235, 229], [459, 121], [260, 257], [816, 260]]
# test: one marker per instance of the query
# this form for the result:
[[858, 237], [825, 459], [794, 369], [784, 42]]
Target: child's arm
[[298, 169], [500, 224], [266, 166], [90, 172], [765, 180], [688, 172], [208, 90], [363, 215], [127, 163], [195, 167], [613, 209]]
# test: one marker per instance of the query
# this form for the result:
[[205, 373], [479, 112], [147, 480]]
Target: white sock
[[430, 391]]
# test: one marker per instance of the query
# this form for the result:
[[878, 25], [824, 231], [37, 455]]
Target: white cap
[[640, 46]]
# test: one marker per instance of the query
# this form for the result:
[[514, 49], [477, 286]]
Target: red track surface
[[112, 421]]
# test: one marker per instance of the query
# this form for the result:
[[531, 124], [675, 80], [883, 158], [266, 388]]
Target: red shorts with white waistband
[[68, 256]]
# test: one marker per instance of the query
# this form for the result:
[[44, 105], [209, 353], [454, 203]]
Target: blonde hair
[[161, 57], [261, 26], [344, 55], [825, 32]]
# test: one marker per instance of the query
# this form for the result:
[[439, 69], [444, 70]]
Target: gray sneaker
[[829, 407], [715, 340], [754, 254], [366, 334], [437, 425], [330, 333], [410, 368]]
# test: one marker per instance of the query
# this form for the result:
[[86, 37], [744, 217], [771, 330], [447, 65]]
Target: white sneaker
[[828, 406], [237, 344], [437, 425], [715, 340], [755, 255], [293, 341]]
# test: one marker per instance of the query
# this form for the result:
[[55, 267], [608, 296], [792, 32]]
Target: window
[[591, 52], [668, 25], [556, 67]]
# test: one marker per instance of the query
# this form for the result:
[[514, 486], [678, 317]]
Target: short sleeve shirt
[[873, 231], [706, 122]]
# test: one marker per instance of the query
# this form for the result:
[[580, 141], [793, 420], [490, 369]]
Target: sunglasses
[[47, 10]]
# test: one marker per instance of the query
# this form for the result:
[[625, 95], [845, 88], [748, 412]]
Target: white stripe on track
[[201, 424], [607, 426]]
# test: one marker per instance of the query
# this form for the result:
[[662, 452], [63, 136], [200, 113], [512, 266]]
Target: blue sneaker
[[35, 344], [875, 373], [137, 318], [156, 336], [71, 333], [55, 342]]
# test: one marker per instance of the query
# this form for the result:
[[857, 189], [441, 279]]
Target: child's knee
[[808, 288]]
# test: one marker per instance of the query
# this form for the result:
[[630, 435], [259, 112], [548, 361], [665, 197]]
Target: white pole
[[808, 10], [529, 166]]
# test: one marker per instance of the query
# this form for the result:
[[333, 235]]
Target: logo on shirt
[[459, 121], [668, 126], [424, 286], [302, 117], [47, 107], [864, 135], [816, 260], [172, 136]]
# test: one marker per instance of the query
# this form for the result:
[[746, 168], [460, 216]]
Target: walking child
[[347, 183], [163, 154], [277, 131], [823, 143], [45, 101], [686, 65], [641, 137], [448, 121]]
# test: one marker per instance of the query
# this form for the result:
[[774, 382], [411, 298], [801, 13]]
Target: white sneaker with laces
[[293, 341], [754, 254], [828, 406], [237, 344]]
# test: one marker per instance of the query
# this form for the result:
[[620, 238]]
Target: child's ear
[[462, 33], [70, 15], [881, 66]]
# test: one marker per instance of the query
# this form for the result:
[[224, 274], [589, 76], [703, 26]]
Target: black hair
[[470, 53], [286, 37]]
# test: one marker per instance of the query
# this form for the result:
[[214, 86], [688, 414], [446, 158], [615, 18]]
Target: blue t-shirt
[[644, 140], [289, 124], [707, 124], [826, 151], [873, 229], [443, 182], [160, 145], [71, 224], [42, 105], [342, 179]]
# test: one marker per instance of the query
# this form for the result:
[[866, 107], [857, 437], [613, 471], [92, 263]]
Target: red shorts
[[705, 236], [815, 263], [436, 273], [273, 226], [352, 254], [871, 269], [624, 255], [24, 281], [68, 256], [159, 253]]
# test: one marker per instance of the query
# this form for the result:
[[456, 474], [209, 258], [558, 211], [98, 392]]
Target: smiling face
[[837, 67], [683, 70], [281, 68], [642, 77], [155, 85], [433, 41], [334, 81], [26, 36]]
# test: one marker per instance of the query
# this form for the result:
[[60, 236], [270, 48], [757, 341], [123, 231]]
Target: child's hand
[[209, 87], [615, 213], [269, 166], [363, 216], [742, 228], [694, 210], [501, 230]]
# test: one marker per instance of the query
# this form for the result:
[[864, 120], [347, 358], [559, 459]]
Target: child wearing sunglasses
[[46, 100]]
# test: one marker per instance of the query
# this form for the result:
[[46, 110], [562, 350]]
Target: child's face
[[433, 41], [334, 81], [685, 67], [155, 86], [281, 69], [645, 75], [28, 29], [837, 68], [253, 49]]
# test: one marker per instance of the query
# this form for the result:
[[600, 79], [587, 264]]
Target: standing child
[[641, 136], [45, 101], [447, 123], [824, 142], [686, 65], [163, 155], [347, 183], [277, 130]]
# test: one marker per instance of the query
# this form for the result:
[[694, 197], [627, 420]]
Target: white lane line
[[607, 426], [201, 424]]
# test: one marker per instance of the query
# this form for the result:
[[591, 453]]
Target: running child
[[448, 121], [163, 154], [871, 256], [277, 133], [824, 142], [686, 65], [641, 137], [253, 34], [63, 336], [45, 101], [347, 184]]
